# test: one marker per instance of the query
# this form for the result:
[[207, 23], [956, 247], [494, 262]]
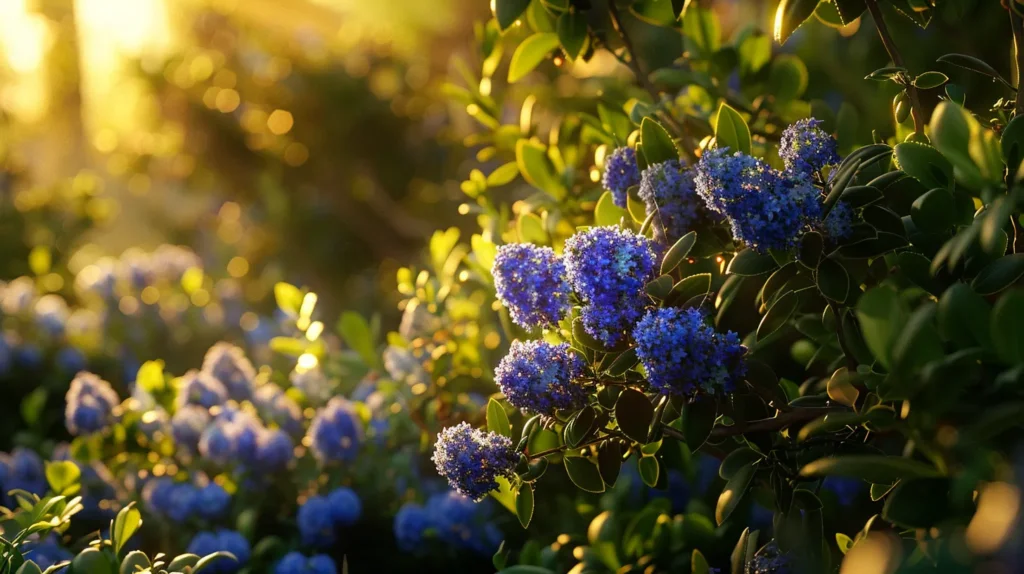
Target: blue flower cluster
[[530, 282], [90, 404], [766, 208], [455, 519], [620, 174], [319, 517], [682, 354], [23, 469], [297, 563], [274, 405], [229, 365], [540, 377], [187, 426], [51, 314], [183, 501], [608, 268], [838, 224], [668, 189], [236, 436], [336, 432], [222, 540], [807, 149], [472, 459], [202, 389], [770, 559]]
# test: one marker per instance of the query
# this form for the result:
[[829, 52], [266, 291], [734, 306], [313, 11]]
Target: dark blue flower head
[[620, 173], [183, 502], [201, 388], [229, 365], [296, 563], [770, 559], [530, 282], [807, 149], [346, 508], [462, 523], [187, 426], [90, 404], [71, 360], [838, 224], [25, 471], [472, 459], [46, 552], [668, 188], [411, 524], [766, 209], [212, 501], [274, 450], [51, 314], [682, 354], [540, 377], [336, 432], [316, 522], [222, 540], [608, 268]]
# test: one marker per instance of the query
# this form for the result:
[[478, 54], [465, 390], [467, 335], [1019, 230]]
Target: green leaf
[[731, 130], [811, 247], [182, 561], [698, 420], [1007, 327], [606, 213], [778, 315], [288, 346], [126, 524], [497, 420], [833, 281], [966, 144], [508, 11], [533, 162], [749, 263], [649, 470], [678, 252], [827, 13], [29, 567], [33, 404], [733, 492], [881, 314], [755, 51], [572, 33], [930, 80], [850, 10], [869, 467], [788, 77], [63, 476], [696, 285], [699, 564], [933, 212], [925, 164], [135, 561], [975, 65], [1012, 143], [531, 229], [579, 427], [886, 73], [584, 474], [844, 542], [288, 297], [736, 461], [218, 557], [702, 32], [634, 413], [609, 461], [92, 561], [151, 376], [918, 503], [656, 142], [529, 54], [918, 343], [964, 317], [524, 504], [356, 332], [790, 15], [503, 174], [999, 274]]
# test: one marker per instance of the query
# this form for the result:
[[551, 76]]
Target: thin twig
[[632, 62], [1017, 25], [780, 422], [897, 59]]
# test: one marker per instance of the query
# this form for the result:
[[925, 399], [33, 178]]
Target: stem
[[883, 31], [1017, 25], [562, 448], [633, 63], [780, 422]]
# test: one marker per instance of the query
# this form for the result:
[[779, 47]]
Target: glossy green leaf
[[678, 252], [126, 524], [634, 413], [881, 314], [572, 33], [731, 130], [530, 53], [733, 492], [657, 143], [1008, 328], [649, 470], [872, 468], [925, 164], [497, 420], [584, 474], [524, 504], [999, 274], [790, 15], [606, 213], [508, 11], [919, 503], [750, 263]]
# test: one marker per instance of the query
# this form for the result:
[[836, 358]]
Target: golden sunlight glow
[[25, 39], [998, 506]]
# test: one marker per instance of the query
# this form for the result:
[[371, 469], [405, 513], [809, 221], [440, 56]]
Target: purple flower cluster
[[807, 149], [620, 173], [682, 354], [46, 552], [182, 501], [766, 208], [530, 282], [297, 563], [472, 459], [320, 516], [274, 405], [187, 426], [238, 437], [90, 404], [455, 519], [337, 432], [770, 559], [608, 268], [21, 470], [668, 189], [229, 365], [540, 377], [838, 224], [222, 540]]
